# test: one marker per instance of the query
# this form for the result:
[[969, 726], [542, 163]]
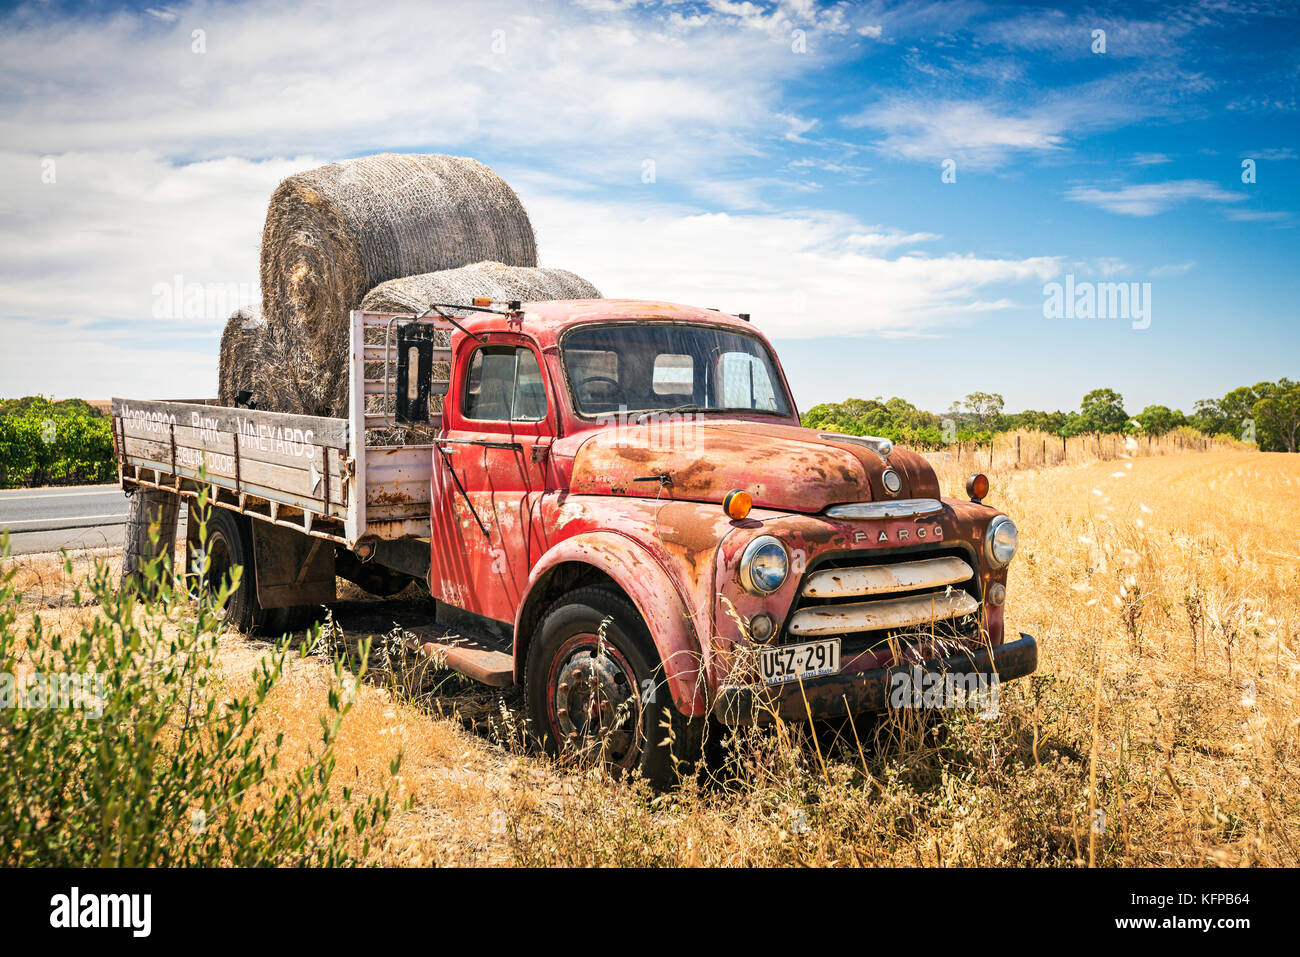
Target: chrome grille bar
[[902, 508], [884, 579], [882, 614]]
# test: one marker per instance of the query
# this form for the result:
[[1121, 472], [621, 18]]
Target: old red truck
[[621, 493]]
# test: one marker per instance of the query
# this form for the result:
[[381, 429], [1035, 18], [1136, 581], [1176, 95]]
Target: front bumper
[[863, 692]]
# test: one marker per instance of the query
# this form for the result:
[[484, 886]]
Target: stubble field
[[1161, 728]]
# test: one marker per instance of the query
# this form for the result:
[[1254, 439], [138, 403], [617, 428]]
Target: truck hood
[[782, 467]]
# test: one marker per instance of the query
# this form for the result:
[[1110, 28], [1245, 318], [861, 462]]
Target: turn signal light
[[482, 301], [737, 503], [977, 487]]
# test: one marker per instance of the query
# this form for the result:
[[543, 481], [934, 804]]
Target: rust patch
[[377, 495]]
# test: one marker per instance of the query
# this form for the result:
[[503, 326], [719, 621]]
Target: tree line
[[1266, 414], [43, 442]]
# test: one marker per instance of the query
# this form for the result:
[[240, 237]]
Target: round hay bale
[[241, 364], [493, 279], [335, 232]]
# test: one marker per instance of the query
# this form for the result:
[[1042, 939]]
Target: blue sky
[[783, 159]]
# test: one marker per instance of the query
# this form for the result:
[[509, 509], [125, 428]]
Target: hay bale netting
[[492, 279], [333, 233], [495, 280], [242, 361]]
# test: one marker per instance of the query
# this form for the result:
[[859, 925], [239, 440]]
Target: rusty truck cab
[[654, 451]]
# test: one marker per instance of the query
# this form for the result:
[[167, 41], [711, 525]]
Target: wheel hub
[[596, 704]]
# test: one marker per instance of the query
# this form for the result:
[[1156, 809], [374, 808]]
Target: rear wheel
[[280, 621], [596, 690], [229, 544]]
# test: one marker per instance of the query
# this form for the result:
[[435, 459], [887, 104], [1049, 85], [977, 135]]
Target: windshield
[[653, 367]]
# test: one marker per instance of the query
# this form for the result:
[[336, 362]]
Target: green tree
[[1277, 415], [895, 419], [1102, 410], [1052, 422], [1208, 417], [1238, 406], [984, 407], [1158, 419]]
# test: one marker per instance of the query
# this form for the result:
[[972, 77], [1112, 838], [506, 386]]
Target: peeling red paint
[[641, 506]]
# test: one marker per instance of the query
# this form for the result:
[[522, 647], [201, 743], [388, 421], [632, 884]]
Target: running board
[[481, 658]]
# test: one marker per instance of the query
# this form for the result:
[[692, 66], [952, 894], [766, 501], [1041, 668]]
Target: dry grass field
[[1162, 727]]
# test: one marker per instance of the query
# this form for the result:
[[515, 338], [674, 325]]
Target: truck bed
[[340, 479]]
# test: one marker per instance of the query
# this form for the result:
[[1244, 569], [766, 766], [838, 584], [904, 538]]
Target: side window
[[504, 384], [744, 383]]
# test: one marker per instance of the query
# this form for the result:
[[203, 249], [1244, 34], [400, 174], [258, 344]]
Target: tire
[[644, 732], [229, 543], [370, 577], [282, 621]]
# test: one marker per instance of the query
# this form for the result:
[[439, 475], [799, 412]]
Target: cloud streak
[[1150, 199]]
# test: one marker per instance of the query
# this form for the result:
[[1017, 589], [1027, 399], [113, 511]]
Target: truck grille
[[873, 600]]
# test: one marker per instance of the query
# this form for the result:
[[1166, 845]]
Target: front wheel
[[596, 690]]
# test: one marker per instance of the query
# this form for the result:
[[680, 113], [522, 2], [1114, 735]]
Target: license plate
[[792, 662]]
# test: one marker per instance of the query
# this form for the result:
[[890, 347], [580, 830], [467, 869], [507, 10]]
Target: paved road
[[47, 519]]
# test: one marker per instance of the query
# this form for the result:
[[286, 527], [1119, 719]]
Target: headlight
[[764, 565], [1000, 540]]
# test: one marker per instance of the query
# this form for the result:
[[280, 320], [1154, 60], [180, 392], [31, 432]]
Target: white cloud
[[1258, 216], [881, 237], [972, 133], [1148, 199], [1274, 155], [1071, 36], [53, 357], [98, 242], [165, 159], [591, 91], [813, 273], [1173, 269], [1104, 266]]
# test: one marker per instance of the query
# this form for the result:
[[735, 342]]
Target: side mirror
[[414, 373]]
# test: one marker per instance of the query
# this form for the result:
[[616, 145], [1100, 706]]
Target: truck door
[[490, 471]]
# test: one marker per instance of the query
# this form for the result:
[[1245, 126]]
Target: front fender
[[650, 588]]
